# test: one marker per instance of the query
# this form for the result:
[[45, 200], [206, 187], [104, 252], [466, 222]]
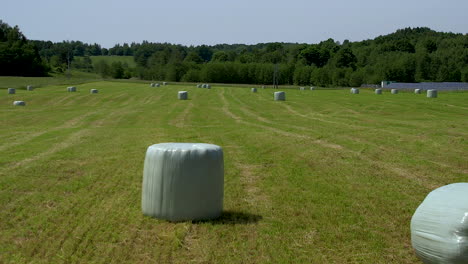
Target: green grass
[[324, 177], [77, 77], [110, 59]]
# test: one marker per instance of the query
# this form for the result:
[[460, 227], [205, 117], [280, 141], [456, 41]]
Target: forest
[[407, 55]]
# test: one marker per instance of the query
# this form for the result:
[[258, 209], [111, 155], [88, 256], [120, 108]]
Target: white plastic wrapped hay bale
[[204, 85], [152, 84], [94, 91], [263, 86], [312, 88], [198, 85], [354, 90], [253, 90], [208, 86], [183, 181], [182, 95], [301, 88], [378, 91], [20, 103], [165, 83], [394, 91], [280, 96], [71, 89], [29, 88], [157, 85], [11, 90], [439, 227], [432, 93], [417, 91]]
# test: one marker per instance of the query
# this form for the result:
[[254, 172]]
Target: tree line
[[407, 55]]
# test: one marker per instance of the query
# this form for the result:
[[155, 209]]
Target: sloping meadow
[[323, 177]]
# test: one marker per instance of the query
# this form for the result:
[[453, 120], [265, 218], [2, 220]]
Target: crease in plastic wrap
[[439, 227], [183, 181]]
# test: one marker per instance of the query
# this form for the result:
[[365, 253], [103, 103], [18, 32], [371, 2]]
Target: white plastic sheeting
[[280, 96], [439, 227], [432, 93], [182, 95], [183, 181]]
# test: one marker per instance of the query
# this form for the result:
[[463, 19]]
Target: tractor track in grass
[[380, 164], [73, 122], [181, 120]]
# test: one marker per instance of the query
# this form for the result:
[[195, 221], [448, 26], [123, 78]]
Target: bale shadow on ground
[[233, 218]]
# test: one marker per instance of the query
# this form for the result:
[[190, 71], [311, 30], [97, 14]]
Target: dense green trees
[[408, 55], [17, 55]]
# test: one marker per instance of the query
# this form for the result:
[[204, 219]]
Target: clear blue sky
[[195, 22]]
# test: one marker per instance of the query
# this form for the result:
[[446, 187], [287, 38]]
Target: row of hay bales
[[430, 93], [31, 88]]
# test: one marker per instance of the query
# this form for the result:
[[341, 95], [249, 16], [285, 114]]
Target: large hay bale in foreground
[[183, 181], [378, 91], [21, 103], [182, 95], [439, 226], [254, 90], [432, 93], [354, 90], [71, 89], [417, 91], [280, 96], [29, 88], [394, 91], [94, 91], [11, 90]]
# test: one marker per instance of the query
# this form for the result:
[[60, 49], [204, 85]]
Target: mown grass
[[76, 77], [324, 177]]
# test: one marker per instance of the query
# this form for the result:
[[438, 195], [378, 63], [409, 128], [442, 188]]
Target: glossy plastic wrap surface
[[439, 227]]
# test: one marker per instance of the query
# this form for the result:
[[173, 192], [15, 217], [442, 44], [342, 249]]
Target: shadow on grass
[[233, 218]]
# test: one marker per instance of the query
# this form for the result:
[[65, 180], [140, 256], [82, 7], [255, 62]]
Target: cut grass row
[[324, 177]]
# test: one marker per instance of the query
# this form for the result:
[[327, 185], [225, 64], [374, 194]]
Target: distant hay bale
[[198, 85], [280, 96], [378, 91], [29, 88], [204, 85], [417, 91], [182, 95], [152, 84], [432, 93], [21, 103], [208, 86], [312, 88], [165, 83], [71, 89], [439, 226], [11, 90], [183, 181], [354, 90], [93, 91], [254, 90], [394, 91], [263, 86], [157, 85], [301, 88]]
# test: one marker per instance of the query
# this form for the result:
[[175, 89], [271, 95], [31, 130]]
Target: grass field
[[110, 59], [324, 177]]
